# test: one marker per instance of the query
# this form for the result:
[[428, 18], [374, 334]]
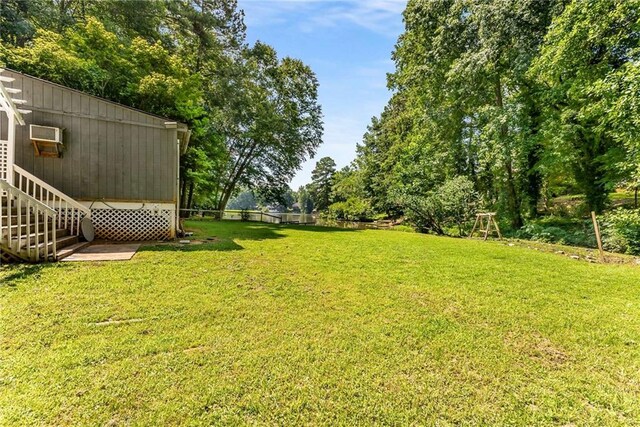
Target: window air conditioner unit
[[45, 133], [46, 140]]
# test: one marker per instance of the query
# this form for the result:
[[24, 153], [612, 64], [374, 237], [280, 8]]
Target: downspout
[[186, 134], [173, 126]]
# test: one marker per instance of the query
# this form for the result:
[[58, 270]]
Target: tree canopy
[[254, 117], [526, 100]]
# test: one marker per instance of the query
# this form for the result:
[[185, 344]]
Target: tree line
[[254, 117], [502, 105]]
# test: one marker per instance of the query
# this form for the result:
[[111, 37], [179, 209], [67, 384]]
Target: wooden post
[[596, 228], [495, 223], [487, 227], [475, 224]]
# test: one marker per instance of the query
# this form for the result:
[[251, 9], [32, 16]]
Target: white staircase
[[37, 222], [32, 231]]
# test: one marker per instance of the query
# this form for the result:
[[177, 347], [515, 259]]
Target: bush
[[564, 231], [452, 205], [353, 209], [403, 229], [621, 231]]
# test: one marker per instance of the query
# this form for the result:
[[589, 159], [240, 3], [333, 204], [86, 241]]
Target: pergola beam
[[7, 103]]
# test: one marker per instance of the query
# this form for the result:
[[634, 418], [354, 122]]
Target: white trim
[[7, 102], [11, 148], [126, 205]]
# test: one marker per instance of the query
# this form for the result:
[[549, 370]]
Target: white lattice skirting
[[130, 224]]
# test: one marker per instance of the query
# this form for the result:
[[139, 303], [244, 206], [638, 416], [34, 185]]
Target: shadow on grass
[[319, 228], [213, 235], [205, 246], [20, 272], [251, 230]]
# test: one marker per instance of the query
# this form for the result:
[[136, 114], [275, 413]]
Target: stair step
[[23, 228], [60, 233], [60, 243], [13, 211], [23, 218], [70, 250]]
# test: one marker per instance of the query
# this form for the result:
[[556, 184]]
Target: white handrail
[[21, 172], [4, 185], [26, 245], [69, 211]]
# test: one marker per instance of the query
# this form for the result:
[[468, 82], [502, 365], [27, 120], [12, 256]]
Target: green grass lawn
[[304, 325]]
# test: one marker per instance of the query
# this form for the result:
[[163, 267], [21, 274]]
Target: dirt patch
[[188, 242], [118, 322], [538, 347]]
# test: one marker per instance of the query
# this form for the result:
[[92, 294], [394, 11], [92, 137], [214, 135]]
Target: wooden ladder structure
[[486, 223]]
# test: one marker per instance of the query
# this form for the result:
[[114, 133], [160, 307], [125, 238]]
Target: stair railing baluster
[[39, 201], [54, 237], [9, 220], [37, 231], [46, 237], [18, 213], [2, 216]]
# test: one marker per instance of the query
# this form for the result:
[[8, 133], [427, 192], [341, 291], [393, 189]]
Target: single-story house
[[83, 157]]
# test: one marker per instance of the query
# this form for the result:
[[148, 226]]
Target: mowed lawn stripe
[[306, 325]]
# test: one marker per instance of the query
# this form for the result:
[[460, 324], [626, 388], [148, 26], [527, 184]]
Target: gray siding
[[111, 152]]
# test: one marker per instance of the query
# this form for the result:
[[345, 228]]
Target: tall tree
[[322, 182], [463, 105], [589, 69], [254, 118], [305, 201], [274, 124]]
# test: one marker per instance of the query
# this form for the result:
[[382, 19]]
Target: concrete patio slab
[[105, 252]]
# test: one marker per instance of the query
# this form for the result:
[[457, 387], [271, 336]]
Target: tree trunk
[[190, 199], [234, 176], [589, 171], [534, 181], [534, 152], [513, 201]]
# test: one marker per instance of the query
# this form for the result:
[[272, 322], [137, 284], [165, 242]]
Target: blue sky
[[348, 44]]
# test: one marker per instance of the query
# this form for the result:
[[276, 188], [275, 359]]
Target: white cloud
[[379, 16], [351, 67]]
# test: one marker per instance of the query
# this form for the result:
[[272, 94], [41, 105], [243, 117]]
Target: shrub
[[564, 231], [403, 228], [621, 231], [353, 209], [452, 205]]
